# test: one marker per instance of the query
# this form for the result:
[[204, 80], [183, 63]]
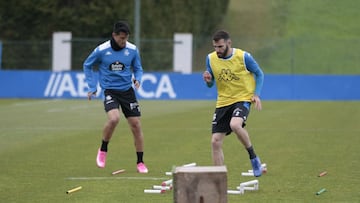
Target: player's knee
[[114, 120], [235, 126], [134, 123], [216, 143]]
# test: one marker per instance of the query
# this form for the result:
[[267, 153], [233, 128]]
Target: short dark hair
[[121, 26], [221, 34]]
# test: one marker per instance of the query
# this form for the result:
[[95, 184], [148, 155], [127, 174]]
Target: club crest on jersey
[[126, 52], [117, 66]]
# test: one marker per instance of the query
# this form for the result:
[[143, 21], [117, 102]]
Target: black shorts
[[223, 115], [125, 99]]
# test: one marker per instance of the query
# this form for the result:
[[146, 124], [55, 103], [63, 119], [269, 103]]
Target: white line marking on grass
[[115, 178], [36, 102], [71, 109], [283, 130], [64, 128]]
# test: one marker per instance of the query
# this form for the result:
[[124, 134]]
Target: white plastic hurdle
[[162, 187], [154, 191], [169, 173], [247, 188], [234, 192], [247, 174], [249, 185], [167, 184]]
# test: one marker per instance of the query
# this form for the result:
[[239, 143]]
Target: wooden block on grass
[[200, 184]]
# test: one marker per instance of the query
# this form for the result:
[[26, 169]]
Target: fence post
[[183, 52], [61, 51]]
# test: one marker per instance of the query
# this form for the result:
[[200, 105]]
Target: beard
[[223, 54]]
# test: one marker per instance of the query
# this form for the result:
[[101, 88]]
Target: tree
[[36, 20]]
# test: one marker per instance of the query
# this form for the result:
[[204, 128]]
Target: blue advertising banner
[[176, 86]]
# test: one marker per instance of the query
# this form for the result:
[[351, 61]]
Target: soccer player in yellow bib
[[239, 81]]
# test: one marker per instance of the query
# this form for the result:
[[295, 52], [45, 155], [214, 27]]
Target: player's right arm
[[208, 75], [90, 78]]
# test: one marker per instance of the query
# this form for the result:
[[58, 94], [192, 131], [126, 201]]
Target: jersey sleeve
[[253, 67], [88, 65], [137, 67]]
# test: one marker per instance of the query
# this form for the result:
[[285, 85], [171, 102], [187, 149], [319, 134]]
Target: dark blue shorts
[[223, 115], [124, 99]]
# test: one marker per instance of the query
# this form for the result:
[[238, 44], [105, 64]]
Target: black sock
[[139, 157], [104, 146], [251, 151]]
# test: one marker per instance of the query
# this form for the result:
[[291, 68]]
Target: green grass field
[[49, 146]]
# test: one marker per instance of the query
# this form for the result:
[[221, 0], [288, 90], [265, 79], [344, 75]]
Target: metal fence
[[287, 56]]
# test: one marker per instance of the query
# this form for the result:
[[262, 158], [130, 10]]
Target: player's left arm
[[138, 70], [253, 67]]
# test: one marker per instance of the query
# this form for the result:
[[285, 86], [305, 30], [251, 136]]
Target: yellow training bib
[[233, 81]]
